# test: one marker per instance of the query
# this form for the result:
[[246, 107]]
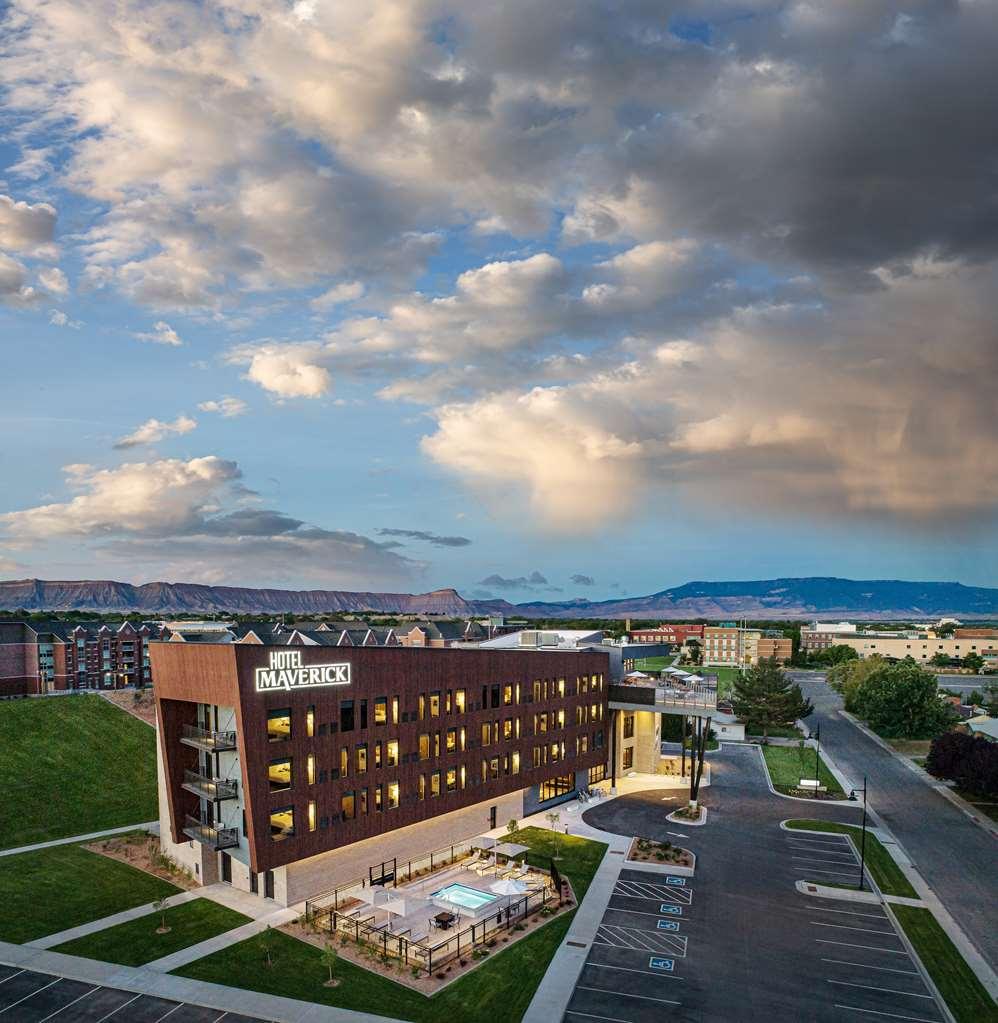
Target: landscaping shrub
[[968, 760]]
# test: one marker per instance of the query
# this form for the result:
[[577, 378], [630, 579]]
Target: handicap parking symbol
[[668, 907], [679, 882], [668, 925], [657, 963]]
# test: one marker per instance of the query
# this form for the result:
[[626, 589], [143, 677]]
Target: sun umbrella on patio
[[508, 887], [482, 842]]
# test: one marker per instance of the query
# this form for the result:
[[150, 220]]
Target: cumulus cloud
[[14, 287], [288, 371], [583, 580], [339, 294], [154, 430], [53, 280], [25, 227], [177, 519], [227, 407], [431, 538], [523, 582], [161, 334], [58, 318]]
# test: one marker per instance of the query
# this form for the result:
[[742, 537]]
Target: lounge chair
[[485, 866]]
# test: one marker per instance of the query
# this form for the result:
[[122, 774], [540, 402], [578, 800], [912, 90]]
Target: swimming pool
[[463, 896]]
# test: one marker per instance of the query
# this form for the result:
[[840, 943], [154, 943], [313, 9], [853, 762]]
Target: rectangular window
[[422, 786], [346, 715], [494, 768], [462, 735], [311, 815], [424, 746], [282, 823], [436, 744], [310, 727], [395, 710], [344, 762], [554, 753], [363, 713], [279, 724], [464, 776], [435, 704], [279, 774], [561, 718], [393, 795], [451, 779], [362, 758], [348, 806], [561, 687], [391, 753], [422, 706], [486, 733], [381, 710], [537, 756], [362, 803], [556, 787], [628, 726], [377, 755], [507, 728], [515, 766], [495, 696], [507, 695], [459, 701], [451, 740], [537, 691], [628, 761], [597, 773], [435, 783], [310, 771], [379, 798]]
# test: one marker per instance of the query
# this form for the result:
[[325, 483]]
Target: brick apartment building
[[668, 633], [43, 657]]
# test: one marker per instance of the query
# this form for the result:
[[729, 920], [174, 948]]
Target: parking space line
[[866, 966], [818, 870], [12, 976], [893, 1015], [631, 969], [849, 927], [32, 995], [886, 990], [626, 994], [869, 948], [633, 912], [668, 944], [86, 994], [824, 859], [589, 1015], [845, 912], [170, 1012]]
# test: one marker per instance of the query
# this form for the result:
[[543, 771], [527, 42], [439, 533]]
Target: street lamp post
[[862, 842], [817, 747]]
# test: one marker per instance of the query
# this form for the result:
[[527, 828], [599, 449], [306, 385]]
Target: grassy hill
[[72, 765]]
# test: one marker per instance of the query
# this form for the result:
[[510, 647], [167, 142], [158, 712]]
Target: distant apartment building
[[822, 635], [975, 634], [678, 635], [44, 657], [729, 644], [918, 646]]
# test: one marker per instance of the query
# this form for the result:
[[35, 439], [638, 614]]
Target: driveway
[[752, 948], [958, 859]]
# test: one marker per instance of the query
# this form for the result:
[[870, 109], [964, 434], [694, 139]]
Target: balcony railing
[[209, 788], [203, 738], [208, 834]]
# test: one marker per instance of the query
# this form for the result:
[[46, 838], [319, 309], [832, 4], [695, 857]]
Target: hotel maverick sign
[[286, 671]]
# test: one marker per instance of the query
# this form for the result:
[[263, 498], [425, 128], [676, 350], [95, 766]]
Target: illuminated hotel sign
[[286, 671]]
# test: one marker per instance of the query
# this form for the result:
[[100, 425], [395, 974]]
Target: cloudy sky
[[535, 300]]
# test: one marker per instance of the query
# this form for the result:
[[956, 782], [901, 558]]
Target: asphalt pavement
[[958, 859], [737, 941]]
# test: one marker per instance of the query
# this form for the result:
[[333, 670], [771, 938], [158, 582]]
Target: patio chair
[[485, 866]]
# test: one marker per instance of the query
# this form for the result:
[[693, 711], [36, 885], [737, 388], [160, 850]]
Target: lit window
[[279, 724], [464, 776], [393, 795], [435, 705], [392, 753], [451, 779], [381, 710], [507, 728], [459, 700], [395, 710], [282, 824], [310, 723], [561, 687], [362, 758], [515, 764], [311, 815], [507, 695], [451, 740], [348, 806], [435, 783], [422, 786], [279, 774], [310, 770], [424, 746]]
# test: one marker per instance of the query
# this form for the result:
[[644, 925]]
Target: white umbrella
[[482, 842], [508, 887]]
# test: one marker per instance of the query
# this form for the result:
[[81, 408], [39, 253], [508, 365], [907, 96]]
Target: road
[[958, 859]]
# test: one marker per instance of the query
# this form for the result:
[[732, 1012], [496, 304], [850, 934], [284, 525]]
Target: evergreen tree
[[765, 698]]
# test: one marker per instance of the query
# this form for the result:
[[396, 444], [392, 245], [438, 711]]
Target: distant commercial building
[[677, 635], [44, 657], [919, 646], [822, 635], [975, 633], [732, 645]]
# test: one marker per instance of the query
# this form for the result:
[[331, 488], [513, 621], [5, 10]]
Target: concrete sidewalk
[[152, 826], [143, 980], [70, 934]]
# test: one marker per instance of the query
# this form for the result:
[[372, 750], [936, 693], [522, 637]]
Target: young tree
[[330, 957], [267, 944], [160, 906], [765, 698], [512, 828]]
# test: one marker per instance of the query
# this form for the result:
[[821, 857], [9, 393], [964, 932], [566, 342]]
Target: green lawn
[[654, 663], [879, 862], [788, 764], [70, 766], [136, 942], [964, 994], [54, 889], [499, 990]]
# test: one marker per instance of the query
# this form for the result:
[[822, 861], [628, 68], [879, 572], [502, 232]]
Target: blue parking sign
[[657, 963], [668, 925], [679, 882], [668, 907]]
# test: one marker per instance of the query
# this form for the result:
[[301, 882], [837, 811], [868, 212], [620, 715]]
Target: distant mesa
[[811, 597]]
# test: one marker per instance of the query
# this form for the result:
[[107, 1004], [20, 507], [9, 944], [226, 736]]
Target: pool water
[[462, 895]]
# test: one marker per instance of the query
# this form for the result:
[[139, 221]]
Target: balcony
[[209, 835], [209, 788], [207, 740]]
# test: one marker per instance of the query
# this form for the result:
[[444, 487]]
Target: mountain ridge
[[782, 598]]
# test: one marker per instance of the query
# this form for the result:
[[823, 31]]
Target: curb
[[806, 799], [982, 821]]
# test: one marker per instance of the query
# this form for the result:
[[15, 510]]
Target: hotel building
[[288, 770]]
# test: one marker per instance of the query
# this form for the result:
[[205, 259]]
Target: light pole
[[817, 747], [862, 844]]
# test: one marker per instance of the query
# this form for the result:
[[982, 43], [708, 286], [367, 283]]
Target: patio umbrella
[[508, 887], [482, 842]]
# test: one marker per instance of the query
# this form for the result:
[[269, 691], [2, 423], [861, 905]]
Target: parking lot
[[638, 966], [737, 941], [30, 997]]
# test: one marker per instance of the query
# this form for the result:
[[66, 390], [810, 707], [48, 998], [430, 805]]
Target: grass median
[[51, 890], [788, 764], [499, 990], [138, 942], [879, 861], [957, 983]]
